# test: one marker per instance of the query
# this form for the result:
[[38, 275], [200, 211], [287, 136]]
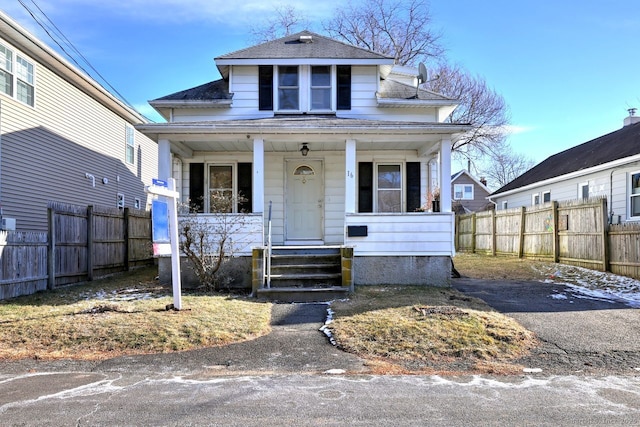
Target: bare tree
[[397, 28], [286, 21], [504, 165], [480, 106], [208, 242]]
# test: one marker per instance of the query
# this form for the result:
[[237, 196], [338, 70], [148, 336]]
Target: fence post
[[90, 238], [473, 233], [126, 238], [522, 230], [556, 232], [493, 233], [51, 249], [605, 234]]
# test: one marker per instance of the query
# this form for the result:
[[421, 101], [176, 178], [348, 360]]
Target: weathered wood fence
[[574, 233], [82, 243]]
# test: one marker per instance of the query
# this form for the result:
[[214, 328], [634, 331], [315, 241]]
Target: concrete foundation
[[402, 270], [237, 269]]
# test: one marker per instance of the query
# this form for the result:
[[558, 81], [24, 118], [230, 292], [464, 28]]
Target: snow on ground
[[595, 284]]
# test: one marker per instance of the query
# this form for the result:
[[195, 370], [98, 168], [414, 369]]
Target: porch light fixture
[[304, 150]]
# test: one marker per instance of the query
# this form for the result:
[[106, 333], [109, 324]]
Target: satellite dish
[[422, 73]]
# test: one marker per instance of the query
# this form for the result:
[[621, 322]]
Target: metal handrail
[[267, 260]]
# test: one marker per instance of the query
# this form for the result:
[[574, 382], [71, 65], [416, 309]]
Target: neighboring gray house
[[63, 137], [344, 145], [608, 166], [469, 194]]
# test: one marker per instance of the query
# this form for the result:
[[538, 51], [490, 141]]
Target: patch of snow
[[604, 286], [559, 296], [325, 328], [532, 370], [335, 371]]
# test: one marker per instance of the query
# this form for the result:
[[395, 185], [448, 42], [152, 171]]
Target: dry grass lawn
[[436, 330], [124, 314]]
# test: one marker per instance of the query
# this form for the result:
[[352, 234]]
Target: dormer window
[[304, 88]]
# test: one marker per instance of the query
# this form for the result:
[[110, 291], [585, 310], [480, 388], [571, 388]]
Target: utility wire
[[47, 29]]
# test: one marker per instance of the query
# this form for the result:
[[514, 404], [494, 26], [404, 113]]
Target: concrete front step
[[292, 294]]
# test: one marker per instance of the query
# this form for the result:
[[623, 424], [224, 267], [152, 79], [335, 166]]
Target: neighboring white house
[[344, 149], [63, 138], [608, 166]]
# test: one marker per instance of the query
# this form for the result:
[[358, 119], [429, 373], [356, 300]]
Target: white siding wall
[[599, 186], [47, 150], [415, 234]]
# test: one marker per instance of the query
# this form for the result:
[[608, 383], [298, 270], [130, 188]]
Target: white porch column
[[350, 177], [445, 175], [258, 176], [164, 159]]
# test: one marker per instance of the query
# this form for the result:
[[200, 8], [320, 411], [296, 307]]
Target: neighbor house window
[[389, 188], [321, 87], [634, 195], [130, 145], [463, 191], [136, 203], [583, 190], [288, 88], [546, 197], [17, 76], [535, 199], [505, 205], [120, 200]]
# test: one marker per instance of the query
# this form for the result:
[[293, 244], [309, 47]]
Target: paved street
[[94, 399]]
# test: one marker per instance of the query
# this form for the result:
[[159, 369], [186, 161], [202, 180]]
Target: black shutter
[[365, 187], [343, 93], [245, 186], [265, 88], [413, 186], [196, 186]]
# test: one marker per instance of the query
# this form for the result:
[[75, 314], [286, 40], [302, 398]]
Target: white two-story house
[[342, 145]]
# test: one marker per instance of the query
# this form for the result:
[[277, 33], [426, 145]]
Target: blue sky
[[568, 70]]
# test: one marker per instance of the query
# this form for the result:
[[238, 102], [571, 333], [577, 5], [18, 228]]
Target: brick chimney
[[483, 181], [632, 119]]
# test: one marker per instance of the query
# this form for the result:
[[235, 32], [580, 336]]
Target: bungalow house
[[63, 138], [333, 148], [608, 166], [469, 194]]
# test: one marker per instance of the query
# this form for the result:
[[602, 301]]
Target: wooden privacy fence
[[82, 243], [574, 233]]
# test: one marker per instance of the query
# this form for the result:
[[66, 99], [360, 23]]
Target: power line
[[47, 29]]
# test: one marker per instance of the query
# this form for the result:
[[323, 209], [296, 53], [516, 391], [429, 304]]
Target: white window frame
[[234, 184], [505, 204], [546, 193], [581, 187], [376, 167], [633, 195], [305, 89], [120, 200], [21, 72], [130, 145], [535, 199], [456, 188], [136, 203]]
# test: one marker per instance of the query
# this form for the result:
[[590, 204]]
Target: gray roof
[[291, 47], [616, 145], [217, 89]]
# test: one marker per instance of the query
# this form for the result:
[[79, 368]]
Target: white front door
[[305, 201]]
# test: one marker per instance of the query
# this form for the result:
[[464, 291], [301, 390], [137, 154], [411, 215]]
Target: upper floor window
[[583, 191], [546, 197], [463, 191], [288, 88], [535, 199], [17, 76], [634, 195], [505, 204], [305, 88], [130, 145]]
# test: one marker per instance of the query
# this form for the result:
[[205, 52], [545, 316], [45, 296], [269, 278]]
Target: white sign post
[[167, 189]]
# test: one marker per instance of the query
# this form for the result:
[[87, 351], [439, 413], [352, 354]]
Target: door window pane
[[220, 188]]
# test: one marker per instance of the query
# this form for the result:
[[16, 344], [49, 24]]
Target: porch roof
[[285, 133]]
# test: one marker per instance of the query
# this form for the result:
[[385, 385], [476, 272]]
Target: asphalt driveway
[[578, 333]]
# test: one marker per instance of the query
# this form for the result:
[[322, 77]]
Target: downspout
[[611, 197]]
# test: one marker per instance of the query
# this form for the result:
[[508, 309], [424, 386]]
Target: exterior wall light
[[304, 150]]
